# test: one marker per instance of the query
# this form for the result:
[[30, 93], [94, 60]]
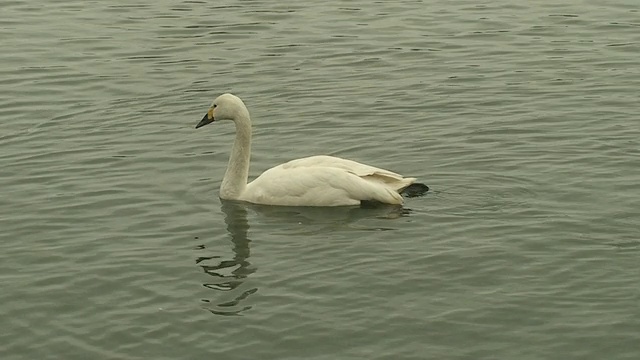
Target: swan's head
[[224, 107]]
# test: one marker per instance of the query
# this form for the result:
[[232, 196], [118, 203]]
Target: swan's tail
[[414, 190]]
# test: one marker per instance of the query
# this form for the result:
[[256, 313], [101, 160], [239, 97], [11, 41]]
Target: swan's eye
[[214, 106]]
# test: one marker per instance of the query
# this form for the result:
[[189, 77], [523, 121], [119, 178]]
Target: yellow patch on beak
[[210, 114]]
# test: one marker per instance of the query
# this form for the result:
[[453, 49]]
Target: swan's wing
[[390, 178], [316, 186]]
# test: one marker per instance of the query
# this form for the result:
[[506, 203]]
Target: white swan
[[311, 181]]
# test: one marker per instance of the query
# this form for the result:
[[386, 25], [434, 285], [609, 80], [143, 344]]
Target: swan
[[311, 181]]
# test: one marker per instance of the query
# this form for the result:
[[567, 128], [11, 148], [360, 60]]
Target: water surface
[[522, 118]]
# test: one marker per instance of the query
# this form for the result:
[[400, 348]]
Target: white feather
[[312, 181]]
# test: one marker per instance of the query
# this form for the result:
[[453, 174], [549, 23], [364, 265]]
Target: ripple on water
[[520, 117]]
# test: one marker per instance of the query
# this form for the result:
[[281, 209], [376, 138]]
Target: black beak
[[205, 121]]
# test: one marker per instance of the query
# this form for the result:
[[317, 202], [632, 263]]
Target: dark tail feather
[[415, 190]]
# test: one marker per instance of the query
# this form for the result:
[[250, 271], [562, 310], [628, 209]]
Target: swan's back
[[340, 163], [326, 181]]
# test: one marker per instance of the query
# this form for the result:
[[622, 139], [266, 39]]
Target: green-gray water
[[521, 116]]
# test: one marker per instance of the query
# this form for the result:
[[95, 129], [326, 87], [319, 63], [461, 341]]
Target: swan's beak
[[206, 120]]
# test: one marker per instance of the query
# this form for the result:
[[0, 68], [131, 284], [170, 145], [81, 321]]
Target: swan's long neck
[[235, 179]]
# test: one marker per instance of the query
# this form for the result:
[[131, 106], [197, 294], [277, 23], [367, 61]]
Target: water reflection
[[316, 219], [230, 274]]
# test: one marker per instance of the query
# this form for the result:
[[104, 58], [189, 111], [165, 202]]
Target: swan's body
[[312, 181]]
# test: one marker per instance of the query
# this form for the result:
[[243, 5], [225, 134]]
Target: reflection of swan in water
[[230, 275], [309, 219]]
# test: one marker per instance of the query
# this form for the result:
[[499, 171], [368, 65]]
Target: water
[[521, 117]]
